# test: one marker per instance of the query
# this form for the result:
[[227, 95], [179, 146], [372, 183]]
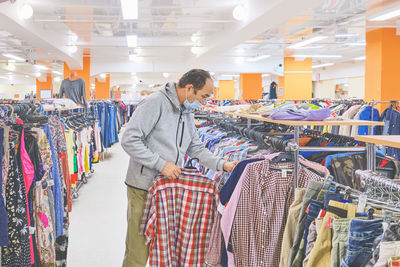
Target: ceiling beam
[[262, 17], [36, 36]]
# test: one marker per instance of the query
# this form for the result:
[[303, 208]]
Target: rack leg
[[249, 123], [296, 154]]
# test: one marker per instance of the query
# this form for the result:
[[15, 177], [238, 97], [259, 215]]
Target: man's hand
[[230, 165], [171, 171]]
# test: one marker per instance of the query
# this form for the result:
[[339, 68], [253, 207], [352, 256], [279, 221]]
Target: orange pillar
[[46, 85], [382, 65], [83, 73], [281, 87], [226, 89], [102, 89], [297, 79], [250, 84]]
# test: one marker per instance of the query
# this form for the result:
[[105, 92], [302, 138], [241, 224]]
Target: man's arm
[[138, 128], [198, 150]]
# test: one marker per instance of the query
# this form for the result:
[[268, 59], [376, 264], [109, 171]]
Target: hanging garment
[[17, 253], [178, 218], [4, 240]]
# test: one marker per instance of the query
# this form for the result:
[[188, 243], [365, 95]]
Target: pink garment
[[230, 210], [45, 220], [29, 173]]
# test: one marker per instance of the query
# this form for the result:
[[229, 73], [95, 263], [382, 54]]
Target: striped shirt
[[178, 218]]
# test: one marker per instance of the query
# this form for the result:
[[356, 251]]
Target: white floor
[[98, 217]]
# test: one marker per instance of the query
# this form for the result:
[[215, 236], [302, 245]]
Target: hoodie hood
[[169, 91]]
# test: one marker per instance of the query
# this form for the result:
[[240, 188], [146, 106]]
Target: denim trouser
[[331, 196], [362, 234], [313, 211]]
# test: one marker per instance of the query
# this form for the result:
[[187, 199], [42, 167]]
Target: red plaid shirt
[[178, 218]]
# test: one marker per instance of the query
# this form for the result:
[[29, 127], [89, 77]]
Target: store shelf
[[386, 140], [310, 123]]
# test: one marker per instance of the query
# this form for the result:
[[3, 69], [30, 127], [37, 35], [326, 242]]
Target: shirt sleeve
[[83, 90], [148, 221], [138, 128]]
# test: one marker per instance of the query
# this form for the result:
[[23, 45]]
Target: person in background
[[161, 132], [74, 88]]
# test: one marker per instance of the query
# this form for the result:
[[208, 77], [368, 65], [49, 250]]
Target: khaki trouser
[[136, 251]]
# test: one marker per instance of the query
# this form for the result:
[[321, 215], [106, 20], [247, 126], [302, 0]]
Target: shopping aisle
[[98, 217]]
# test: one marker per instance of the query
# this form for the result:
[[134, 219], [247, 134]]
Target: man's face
[[202, 94]]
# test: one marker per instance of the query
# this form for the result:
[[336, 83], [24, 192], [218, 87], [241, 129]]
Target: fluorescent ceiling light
[[57, 72], [165, 74], [307, 41], [11, 67], [360, 58], [266, 75], [130, 9], [356, 44], [41, 67], [57, 79], [133, 73], [131, 40], [309, 47], [132, 57], [38, 74], [72, 49], [2, 77], [103, 75], [322, 65], [254, 59], [386, 15], [26, 76], [318, 56], [240, 12], [26, 11], [197, 50], [13, 57], [73, 37], [342, 35]]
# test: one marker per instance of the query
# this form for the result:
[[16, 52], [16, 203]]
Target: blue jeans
[[329, 196], [313, 210], [362, 234]]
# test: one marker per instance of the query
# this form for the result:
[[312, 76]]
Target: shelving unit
[[297, 124], [372, 141]]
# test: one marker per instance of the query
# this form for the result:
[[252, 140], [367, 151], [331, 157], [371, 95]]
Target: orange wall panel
[[83, 73], [250, 84], [46, 85], [226, 89], [297, 78], [281, 84], [102, 89]]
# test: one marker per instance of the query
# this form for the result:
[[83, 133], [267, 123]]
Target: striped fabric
[[178, 219]]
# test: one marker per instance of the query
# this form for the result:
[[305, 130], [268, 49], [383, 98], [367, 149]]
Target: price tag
[[362, 202]]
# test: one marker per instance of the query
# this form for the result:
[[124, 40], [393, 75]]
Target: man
[[159, 135]]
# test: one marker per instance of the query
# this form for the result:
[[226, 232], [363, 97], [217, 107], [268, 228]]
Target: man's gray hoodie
[[160, 130]]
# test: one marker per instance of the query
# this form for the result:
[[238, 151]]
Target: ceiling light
[[133, 73], [132, 57], [165, 75], [356, 44], [131, 40], [307, 41], [73, 37], [103, 75], [129, 9], [212, 73], [72, 49], [2, 77], [26, 76], [57, 72], [13, 57], [318, 56], [309, 47], [360, 58], [38, 74], [343, 35], [196, 38], [240, 12], [322, 65], [386, 15], [26, 11], [57, 79], [41, 67], [254, 59], [266, 75], [11, 67], [197, 50]]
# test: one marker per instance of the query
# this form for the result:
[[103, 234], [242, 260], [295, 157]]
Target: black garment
[[272, 91], [17, 254], [74, 90]]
